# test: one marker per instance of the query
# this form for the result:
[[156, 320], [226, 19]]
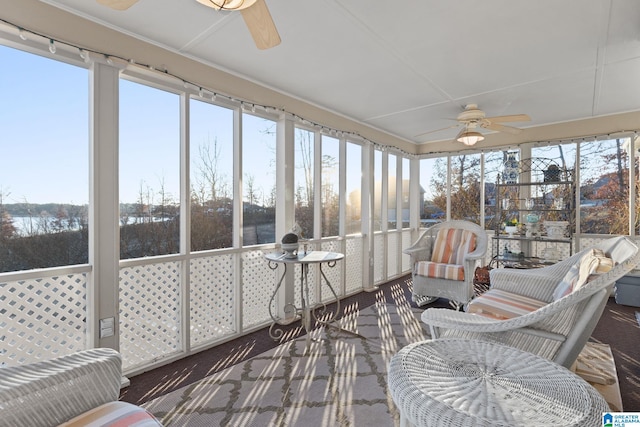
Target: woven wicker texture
[[51, 392], [421, 250], [557, 331], [452, 382]]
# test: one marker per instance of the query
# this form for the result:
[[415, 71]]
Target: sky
[[43, 123], [44, 149]]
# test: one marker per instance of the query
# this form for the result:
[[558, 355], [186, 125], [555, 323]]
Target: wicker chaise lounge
[[561, 326], [78, 389]]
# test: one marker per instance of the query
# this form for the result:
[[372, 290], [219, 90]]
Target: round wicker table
[[457, 382]]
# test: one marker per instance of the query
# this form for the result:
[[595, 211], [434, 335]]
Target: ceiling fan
[[473, 118], [254, 12]]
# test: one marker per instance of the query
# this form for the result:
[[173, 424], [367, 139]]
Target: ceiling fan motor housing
[[471, 113]]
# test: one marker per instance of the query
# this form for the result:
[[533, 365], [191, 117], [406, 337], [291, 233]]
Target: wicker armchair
[[428, 287], [560, 328], [81, 388]]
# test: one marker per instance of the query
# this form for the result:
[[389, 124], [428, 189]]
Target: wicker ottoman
[[456, 382]]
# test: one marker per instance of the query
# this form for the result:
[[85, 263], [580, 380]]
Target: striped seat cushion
[[452, 244], [114, 414], [503, 305], [440, 271]]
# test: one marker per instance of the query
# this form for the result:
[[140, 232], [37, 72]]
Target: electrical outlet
[[107, 327]]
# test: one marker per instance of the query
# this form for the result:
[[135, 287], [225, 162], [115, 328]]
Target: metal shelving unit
[[543, 191]]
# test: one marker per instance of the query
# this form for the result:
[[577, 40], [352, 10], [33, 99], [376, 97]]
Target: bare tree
[[7, 228], [304, 184], [210, 177], [330, 197], [252, 194], [465, 186], [143, 204]]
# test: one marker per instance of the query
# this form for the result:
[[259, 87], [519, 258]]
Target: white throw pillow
[[566, 285], [592, 262]]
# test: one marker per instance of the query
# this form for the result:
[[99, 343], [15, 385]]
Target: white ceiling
[[410, 67]]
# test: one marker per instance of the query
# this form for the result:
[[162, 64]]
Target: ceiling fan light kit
[[227, 4], [257, 18], [474, 118], [470, 138]]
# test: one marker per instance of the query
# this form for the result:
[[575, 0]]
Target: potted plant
[[290, 245], [511, 227]]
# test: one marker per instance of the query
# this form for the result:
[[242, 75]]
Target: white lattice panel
[[42, 318], [297, 292], [149, 313], [212, 298], [406, 259], [487, 258], [586, 242], [311, 278], [353, 264], [534, 248], [491, 249], [392, 254], [333, 274], [331, 246], [378, 258], [538, 247], [258, 284]]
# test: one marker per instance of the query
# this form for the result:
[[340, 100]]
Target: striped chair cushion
[[503, 305], [452, 244], [114, 414], [440, 271]]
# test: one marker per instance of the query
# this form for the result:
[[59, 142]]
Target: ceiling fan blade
[[500, 128], [118, 4], [511, 118], [261, 25], [437, 130]]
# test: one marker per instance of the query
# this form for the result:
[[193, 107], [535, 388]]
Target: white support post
[[384, 215], [238, 235], [483, 186], [342, 187], [399, 213], [416, 205], [285, 203], [527, 247], [367, 186], [632, 184], [578, 195], [104, 224], [185, 222], [317, 185], [449, 188], [316, 290]]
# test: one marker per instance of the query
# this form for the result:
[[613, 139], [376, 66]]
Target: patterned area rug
[[339, 380]]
